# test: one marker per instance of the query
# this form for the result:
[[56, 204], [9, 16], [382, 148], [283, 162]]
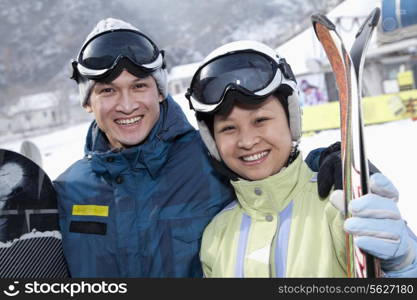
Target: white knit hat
[[85, 85]]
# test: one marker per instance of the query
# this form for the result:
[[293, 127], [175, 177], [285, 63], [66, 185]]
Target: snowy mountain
[[40, 37]]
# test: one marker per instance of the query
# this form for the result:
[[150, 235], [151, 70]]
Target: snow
[[392, 147]]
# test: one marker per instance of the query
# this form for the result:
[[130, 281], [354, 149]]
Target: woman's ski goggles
[[253, 74], [101, 54]]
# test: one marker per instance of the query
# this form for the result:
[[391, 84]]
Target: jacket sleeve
[[312, 159], [335, 220], [63, 224], [207, 251]]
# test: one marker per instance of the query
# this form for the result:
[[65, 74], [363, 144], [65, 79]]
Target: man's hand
[[330, 170]]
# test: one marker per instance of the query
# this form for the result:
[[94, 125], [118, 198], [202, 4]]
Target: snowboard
[[30, 240]]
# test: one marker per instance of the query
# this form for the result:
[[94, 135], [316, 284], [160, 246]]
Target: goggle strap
[[75, 74], [286, 69]]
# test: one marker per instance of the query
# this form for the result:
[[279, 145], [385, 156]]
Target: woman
[[246, 102]]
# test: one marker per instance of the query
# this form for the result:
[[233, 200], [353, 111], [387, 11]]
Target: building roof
[[34, 102]]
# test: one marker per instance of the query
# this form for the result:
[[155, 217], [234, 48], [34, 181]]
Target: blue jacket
[[140, 212]]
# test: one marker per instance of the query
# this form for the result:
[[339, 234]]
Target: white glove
[[378, 228]]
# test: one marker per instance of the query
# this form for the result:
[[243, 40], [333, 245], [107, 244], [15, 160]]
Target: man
[[137, 203]]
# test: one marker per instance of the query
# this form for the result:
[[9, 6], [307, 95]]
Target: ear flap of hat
[[84, 88], [215, 158], [295, 113], [208, 139], [161, 78]]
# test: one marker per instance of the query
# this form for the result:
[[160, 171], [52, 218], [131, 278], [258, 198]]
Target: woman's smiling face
[[254, 140]]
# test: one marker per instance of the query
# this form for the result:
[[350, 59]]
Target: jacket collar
[[151, 154], [272, 194]]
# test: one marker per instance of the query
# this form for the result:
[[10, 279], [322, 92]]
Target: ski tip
[[323, 20], [375, 14], [371, 20]]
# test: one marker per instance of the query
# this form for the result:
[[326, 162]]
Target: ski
[[348, 73], [357, 53]]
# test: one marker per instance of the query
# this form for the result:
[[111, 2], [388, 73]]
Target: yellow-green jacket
[[279, 227]]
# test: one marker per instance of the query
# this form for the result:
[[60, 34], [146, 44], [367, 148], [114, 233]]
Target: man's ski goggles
[[101, 54], [253, 74]]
